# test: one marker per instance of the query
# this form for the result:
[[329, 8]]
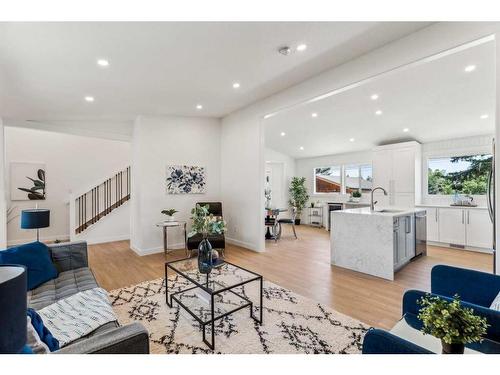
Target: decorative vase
[[205, 256], [170, 218], [452, 348], [297, 221]]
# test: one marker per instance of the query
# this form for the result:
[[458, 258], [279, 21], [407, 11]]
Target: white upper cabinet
[[397, 168], [404, 170], [452, 226], [479, 229], [382, 169]]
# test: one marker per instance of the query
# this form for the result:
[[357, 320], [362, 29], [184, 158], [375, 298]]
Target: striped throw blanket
[[78, 315]]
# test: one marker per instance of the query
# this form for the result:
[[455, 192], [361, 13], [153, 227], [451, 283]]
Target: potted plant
[[204, 223], [170, 214], [356, 196], [298, 196], [450, 322]]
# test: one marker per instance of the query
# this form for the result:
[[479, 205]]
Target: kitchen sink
[[388, 211]]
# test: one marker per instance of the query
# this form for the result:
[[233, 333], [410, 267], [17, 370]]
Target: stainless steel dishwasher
[[420, 233]]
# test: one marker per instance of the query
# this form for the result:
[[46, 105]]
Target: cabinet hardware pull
[[468, 217], [463, 219]]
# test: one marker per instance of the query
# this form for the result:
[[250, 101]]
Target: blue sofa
[[477, 290]]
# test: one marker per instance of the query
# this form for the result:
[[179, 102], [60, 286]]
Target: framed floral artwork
[[185, 179]]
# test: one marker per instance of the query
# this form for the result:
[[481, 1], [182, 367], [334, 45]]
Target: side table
[[172, 224]]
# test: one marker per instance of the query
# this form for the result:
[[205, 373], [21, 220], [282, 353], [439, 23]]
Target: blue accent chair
[[477, 290]]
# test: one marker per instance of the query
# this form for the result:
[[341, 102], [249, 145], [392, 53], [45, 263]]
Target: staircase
[[101, 200]]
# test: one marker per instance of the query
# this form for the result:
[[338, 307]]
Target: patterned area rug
[[291, 323]]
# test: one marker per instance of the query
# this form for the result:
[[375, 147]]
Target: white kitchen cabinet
[[432, 224], [403, 169], [452, 226], [479, 229], [397, 168], [382, 168]]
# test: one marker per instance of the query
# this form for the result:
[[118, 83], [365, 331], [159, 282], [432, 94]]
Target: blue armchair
[[477, 290]]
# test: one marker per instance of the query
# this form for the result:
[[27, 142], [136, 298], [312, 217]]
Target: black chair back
[[215, 208]]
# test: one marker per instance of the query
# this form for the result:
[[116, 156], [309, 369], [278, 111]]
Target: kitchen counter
[[391, 212], [370, 241], [448, 206]]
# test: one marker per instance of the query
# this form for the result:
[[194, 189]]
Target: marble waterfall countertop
[[382, 211], [363, 240]]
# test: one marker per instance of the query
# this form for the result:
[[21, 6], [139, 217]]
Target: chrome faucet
[[372, 203]]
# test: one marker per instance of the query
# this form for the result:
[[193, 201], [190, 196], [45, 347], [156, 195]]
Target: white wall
[[162, 141], [242, 140], [72, 162]]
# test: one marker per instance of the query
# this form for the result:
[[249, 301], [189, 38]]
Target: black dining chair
[[291, 221]]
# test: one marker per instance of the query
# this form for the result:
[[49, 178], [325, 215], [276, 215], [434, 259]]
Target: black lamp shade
[[35, 218], [13, 306]]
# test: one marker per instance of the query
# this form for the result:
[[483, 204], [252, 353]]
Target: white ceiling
[[435, 100], [46, 69]]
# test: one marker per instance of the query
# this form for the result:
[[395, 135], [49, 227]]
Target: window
[[462, 174], [328, 180], [355, 177], [358, 178]]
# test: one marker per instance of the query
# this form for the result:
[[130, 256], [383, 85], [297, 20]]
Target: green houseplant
[[450, 322], [356, 196], [298, 196], [170, 213], [205, 223]]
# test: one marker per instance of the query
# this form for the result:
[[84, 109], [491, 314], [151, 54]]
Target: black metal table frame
[[212, 294]]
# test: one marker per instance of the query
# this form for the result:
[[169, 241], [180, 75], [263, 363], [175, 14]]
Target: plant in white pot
[[298, 195], [355, 196], [170, 214]]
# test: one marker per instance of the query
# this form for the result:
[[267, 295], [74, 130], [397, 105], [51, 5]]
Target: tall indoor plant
[[450, 322], [298, 195], [205, 224]]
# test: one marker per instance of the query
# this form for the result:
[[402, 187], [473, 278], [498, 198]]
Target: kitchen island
[[377, 243]]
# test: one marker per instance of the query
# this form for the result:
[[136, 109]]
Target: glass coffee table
[[210, 297]]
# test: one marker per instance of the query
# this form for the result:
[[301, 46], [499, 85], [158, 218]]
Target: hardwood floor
[[303, 266]]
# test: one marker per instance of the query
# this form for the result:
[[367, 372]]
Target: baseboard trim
[[246, 245], [156, 249], [95, 241], [61, 237]]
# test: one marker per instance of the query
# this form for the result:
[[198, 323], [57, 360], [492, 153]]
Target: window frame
[[342, 176], [442, 155]]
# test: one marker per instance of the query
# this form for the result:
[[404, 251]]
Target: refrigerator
[[491, 204]]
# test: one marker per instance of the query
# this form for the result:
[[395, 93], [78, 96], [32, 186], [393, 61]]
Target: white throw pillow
[[495, 305]]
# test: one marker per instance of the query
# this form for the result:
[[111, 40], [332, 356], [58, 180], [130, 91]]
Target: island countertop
[[381, 211]]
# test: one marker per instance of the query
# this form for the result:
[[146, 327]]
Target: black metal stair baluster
[[98, 210]]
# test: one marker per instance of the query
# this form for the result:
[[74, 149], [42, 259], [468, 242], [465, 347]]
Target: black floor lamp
[[35, 218]]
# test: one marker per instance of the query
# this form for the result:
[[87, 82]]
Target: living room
[[142, 175]]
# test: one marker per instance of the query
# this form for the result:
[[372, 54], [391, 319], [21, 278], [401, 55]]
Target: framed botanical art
[[185, 179], [27, 181]]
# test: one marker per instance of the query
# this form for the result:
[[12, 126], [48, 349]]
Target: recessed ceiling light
[[374, 97], [236, 85], [378, 112], [89, 99], [470, 68], [199, 106], [103, 62], [406, 130], [485, 116], [314, 114], [301, 147], [283, 134], [301, 47], [351, 139]]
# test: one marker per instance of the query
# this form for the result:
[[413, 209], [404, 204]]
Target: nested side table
[[172, 224]]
